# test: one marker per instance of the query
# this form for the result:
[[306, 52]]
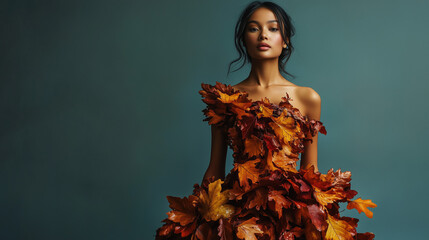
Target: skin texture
[[265, 80]]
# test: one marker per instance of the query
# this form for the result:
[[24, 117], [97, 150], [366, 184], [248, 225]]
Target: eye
[[253, 29], [275, 29]]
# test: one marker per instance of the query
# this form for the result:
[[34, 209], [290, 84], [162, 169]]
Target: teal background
[[101, 117]]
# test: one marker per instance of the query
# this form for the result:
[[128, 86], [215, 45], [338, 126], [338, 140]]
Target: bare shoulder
[[310, 100]]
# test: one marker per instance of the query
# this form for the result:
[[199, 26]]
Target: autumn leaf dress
[[264, 196]]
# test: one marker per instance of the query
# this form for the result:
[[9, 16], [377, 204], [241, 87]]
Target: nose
[[263, 35]]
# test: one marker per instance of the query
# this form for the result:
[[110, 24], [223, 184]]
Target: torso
[[275, 93]]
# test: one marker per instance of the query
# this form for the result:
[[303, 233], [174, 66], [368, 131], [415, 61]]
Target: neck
[[265, 73]]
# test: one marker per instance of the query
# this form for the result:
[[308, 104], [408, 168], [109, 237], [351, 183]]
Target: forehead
[[262, 16]]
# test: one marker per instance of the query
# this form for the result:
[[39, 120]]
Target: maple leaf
[[212, 205], [247, 171], [225, 98], [166, 229], [254, 146], [339, 230], [247, 229], [362, 206], [184, 211]]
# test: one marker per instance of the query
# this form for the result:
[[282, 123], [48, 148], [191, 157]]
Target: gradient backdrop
[[101, 117]]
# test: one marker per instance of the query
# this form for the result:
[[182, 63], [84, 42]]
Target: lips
[[263, 45]]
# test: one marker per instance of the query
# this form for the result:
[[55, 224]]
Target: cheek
[[278, 40]]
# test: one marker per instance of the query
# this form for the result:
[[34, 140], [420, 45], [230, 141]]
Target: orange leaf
[[283, 161], [253, 146], [362, 206], [279, 200], [264, 111], [183, 209], [330, 196], [212, 205], [285, 128], [247, 171], [247, 229]]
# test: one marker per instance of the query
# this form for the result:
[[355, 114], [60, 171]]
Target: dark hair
[[286, 30]]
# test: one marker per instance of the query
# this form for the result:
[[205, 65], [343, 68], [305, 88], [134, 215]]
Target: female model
[[265, 196]]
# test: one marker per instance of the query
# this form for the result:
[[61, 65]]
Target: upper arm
[[312, 103], [219, 147]]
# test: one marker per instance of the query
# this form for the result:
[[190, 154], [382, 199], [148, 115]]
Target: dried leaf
[[184, 212], [362, 206], [339, 230], [247, 229], [212, 205]]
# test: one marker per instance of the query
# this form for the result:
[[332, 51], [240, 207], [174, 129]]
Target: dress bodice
[[259, 129]]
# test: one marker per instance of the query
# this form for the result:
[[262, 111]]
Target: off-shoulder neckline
[[284, 97]]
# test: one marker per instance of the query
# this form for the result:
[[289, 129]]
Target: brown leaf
[[317, 216], [225, 229], [184, 212], [257, 198], [206, 232], [365, 236]]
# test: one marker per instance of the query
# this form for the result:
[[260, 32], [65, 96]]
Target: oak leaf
[[247, 229], [339, 230], [329, 196], [279, 200], [247, 171], [362, 205], [264, 111], [254, 146]]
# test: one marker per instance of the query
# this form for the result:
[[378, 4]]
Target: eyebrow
[[254, 21]]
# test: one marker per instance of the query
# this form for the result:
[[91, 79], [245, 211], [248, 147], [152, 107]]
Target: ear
[[284, 44]]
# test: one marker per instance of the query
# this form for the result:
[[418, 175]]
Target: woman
[[265, 196]]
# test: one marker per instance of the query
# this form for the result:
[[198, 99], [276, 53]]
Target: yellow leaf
[[339, 229], [225, 98], [212, 205]]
